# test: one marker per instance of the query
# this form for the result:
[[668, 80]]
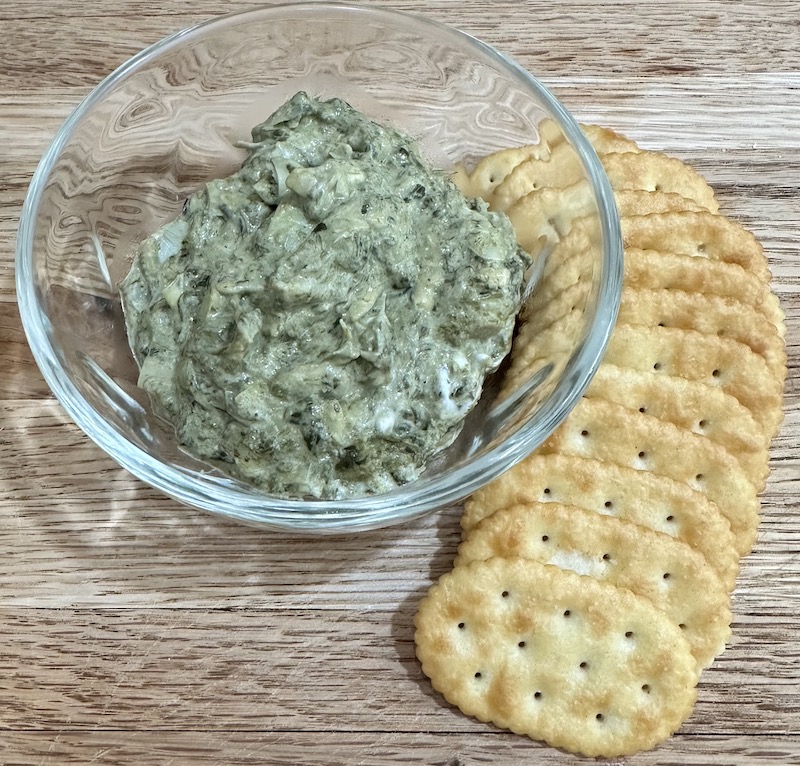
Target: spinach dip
[[321, 322]]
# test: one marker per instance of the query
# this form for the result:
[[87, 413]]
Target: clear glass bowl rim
[[216, 494]]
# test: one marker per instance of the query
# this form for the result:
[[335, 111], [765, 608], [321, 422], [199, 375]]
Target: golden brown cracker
[[491, 170], [640, 497], [653, 270], [708, 314], [642, 202], [561, 169], [697, 234], [542, 311], [728, 364], [605, 140], [653, 171], [697, 407], [565, 271], [566, 659], [675, 578], [616, 434], [548, 213], [582, 239], [602, 139]]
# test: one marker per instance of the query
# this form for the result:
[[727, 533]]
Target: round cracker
[[698, 234], [616, 434], [665, 571], [695, 406], [653, 171], [708, 314], [651, 269], [721, 362], [556, 656], [640, 497], [563, 168], [643, 202]]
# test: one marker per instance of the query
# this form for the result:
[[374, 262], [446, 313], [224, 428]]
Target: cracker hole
[[504, 594], [666, 575], [657, 366], [661, 324], [702, 424], [546, 491], [642, 455], [491, 179], [682, 626], [628, 634], [567, 613], [699, 477], [670, 518], [608, 504], [584, 665], [545, 538], [521, 644], [600, 717], [606, 557], [646, 688], [715, 373], [642, 410], [701, 248], [537, 695], [478, 674], [584, 432], [461, 626]]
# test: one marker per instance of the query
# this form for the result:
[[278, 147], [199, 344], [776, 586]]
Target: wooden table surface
[[136, 631]]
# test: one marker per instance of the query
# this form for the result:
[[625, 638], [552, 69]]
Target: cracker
[[563, 168], [550, 133], [583, 238], [708, 314], [653, 171], [640, 497], [663, 570], [643, 202], [616, 434], [558, 169], [565, 270], [722, 362], [549, 212], [492, 169], [651, 269], [602, 139], [541, 311], [698, 234], [566, 659], [532, 352], [605, 140], [694, 406]]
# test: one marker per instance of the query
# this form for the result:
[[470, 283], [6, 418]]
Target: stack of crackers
[[593, 582]]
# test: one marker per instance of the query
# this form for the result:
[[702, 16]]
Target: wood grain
[[137, 631]]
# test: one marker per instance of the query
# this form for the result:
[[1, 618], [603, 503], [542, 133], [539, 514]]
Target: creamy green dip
[[321, 322]]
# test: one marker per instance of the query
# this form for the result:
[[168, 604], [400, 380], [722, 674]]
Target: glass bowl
[[169, 119]]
